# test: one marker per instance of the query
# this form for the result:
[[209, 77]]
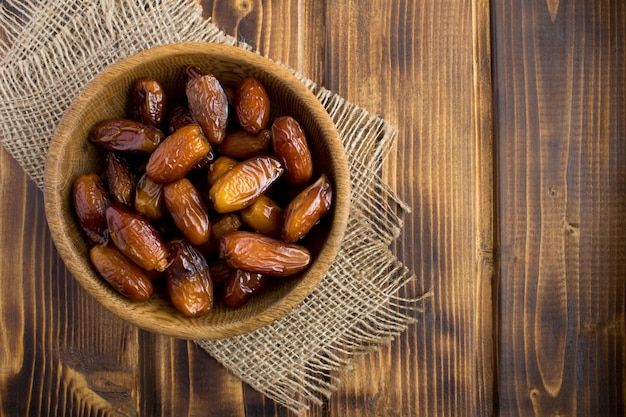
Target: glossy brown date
[[149, 198], [120, 179], [148, 101], [264, 216], [241, 145], [219, 167], [291, 148], [252, 105], [245, 182], [90, 200], [126, 135], [254, 252], [185, 205], [188, 279], [240, 286], [208, 104], [121, 273], [306, 209], [135, 236], [177, 154]]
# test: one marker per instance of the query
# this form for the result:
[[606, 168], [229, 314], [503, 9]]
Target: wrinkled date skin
[[185, 205], [178, 154], [254, 252], [241, 285], [120, 179], [246, 181], [149, 199], [291, 148], [126, 135], [188, 279], [123, 274], [252, 105], [135, 236], [90, 201], [149, 103], [264, 216], [306, 209], [208, 104], [241, 145]]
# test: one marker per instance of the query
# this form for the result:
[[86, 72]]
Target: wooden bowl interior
[[71, 154]]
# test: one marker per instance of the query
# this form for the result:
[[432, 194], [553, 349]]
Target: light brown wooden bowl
[[71, 154]]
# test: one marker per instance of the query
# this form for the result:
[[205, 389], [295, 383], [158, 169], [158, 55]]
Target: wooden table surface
[[512, 155]]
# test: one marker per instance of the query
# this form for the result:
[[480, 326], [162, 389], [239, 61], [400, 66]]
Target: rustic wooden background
[[512, 155]]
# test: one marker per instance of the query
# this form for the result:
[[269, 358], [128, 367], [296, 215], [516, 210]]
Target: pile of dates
[[201, 192]]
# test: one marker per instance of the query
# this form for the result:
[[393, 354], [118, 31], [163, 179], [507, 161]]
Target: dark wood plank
[[560, 78], [424, 66], [61, 352]]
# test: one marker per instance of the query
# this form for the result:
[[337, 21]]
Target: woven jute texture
[[51, 49]]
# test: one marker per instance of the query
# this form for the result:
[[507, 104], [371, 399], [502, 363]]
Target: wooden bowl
[[71, 154]]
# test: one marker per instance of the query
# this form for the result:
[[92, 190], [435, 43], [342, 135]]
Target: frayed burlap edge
[[52, 49]]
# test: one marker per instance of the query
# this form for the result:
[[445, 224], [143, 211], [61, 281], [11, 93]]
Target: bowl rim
[[121, 307]]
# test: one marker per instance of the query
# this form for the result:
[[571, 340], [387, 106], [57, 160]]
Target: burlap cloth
[[51, 49]]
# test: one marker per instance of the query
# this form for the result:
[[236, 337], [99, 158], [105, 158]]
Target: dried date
[[291, 148], [148, 101], [135, 236], [254, 252], [252, 105], [178, 154], [306, 209], [208, 104], [185, 205], [241, 285], [90, 200], [246, 181], [124, 275], [126, 135], [188, 279]]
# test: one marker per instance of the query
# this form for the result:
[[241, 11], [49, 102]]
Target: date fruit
[[208, 104], [264, 216], [123, 274], [125, 135], [241, 145], [241, 285], [219, 167], [306, 209], [252, 105], [188, 279], [120, 179], [185, 205], [135, 236], [90, 201], [148, 101], [245, 182], [149, 198], [177, 154], [254, 252], [291, 148]]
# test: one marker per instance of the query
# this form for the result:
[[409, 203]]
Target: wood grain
[[431, 79], [559, 74]]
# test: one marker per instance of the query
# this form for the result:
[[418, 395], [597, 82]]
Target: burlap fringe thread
[[51, 49]]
